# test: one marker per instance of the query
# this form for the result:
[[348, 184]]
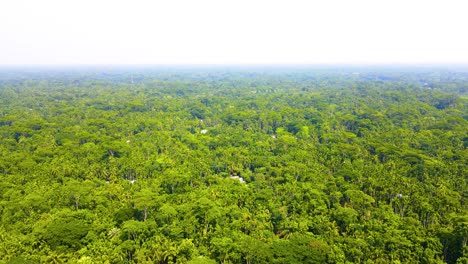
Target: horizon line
[[233, 64]]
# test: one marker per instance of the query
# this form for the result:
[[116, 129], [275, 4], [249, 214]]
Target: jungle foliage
[[138, 165]]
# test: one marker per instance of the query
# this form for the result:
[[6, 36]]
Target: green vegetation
[[138, 166]]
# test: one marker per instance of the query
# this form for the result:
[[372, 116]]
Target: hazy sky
[[232, 32]]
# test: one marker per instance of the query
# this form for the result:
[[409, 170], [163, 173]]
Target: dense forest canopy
[[233, 165]]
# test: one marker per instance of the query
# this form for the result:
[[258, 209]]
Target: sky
[[58, 32]]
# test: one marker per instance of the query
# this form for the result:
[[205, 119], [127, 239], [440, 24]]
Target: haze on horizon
[[53, 32]]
